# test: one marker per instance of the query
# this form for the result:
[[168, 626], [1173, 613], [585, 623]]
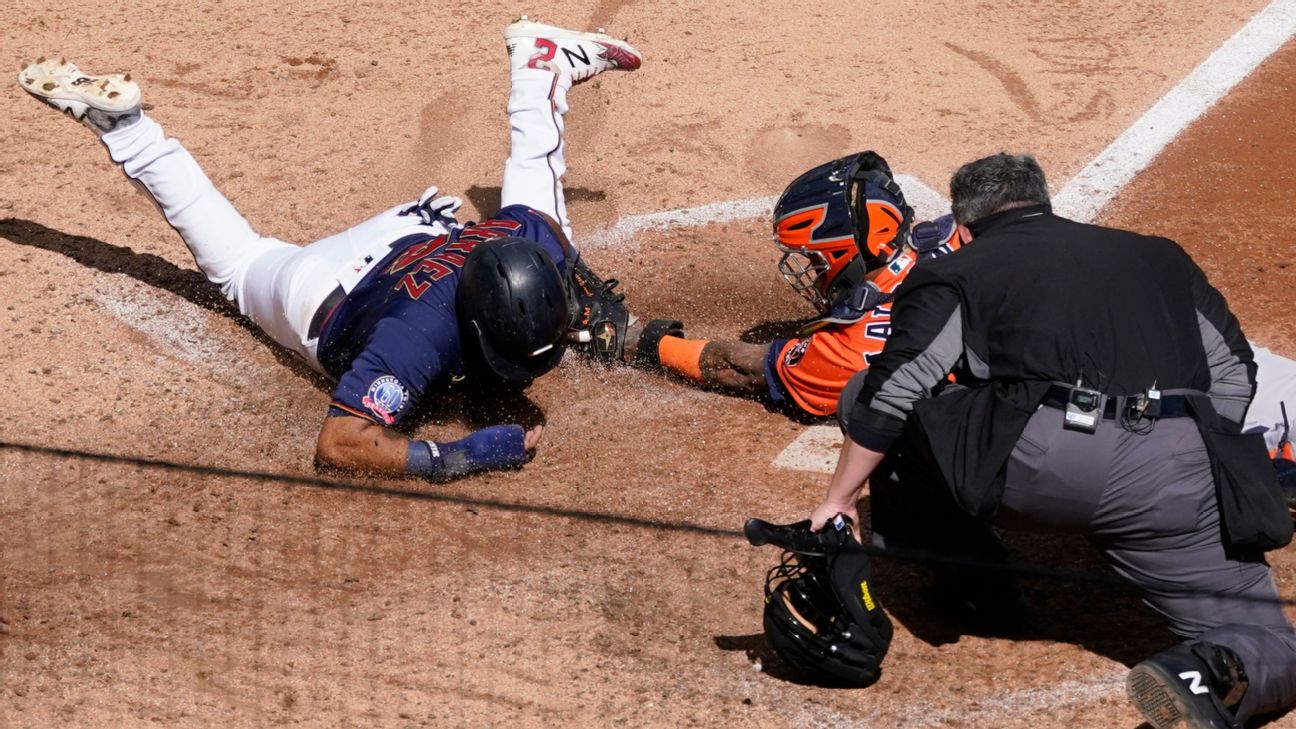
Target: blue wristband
[[499, 446]]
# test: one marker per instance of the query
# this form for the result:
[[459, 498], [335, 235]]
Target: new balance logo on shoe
[[1194, 679], [584, 55], [573, 55]]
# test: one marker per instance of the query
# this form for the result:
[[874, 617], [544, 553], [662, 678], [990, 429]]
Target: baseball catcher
[[847, 240], [410, 300]]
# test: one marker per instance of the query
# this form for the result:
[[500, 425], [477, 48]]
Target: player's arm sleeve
[[812, 371], [926, 340], [1228, 354], [389, 376], [778, 392]]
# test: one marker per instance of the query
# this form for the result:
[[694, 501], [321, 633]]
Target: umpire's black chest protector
[[1047, 300]]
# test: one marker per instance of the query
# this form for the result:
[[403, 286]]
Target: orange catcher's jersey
[[812, 371]]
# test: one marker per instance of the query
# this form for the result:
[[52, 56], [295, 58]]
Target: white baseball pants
[[280, 286], [1275, 385]]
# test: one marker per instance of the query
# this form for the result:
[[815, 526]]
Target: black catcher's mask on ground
[[512, 307], [820, 613]]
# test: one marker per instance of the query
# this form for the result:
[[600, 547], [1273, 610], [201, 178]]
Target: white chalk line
[[177, 327], [1000, 709], [1099, 181]]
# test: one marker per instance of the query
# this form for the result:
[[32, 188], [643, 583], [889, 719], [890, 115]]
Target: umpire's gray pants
[[1147, 502]]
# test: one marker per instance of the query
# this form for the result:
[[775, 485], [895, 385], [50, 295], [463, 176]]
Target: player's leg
[[546, 61], [1158, 526], [222, 242], [279, 286]]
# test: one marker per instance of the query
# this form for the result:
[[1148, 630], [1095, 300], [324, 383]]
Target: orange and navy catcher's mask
[[837, 222]]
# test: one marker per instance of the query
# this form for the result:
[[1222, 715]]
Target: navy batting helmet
[[837, 222], [512, 305]]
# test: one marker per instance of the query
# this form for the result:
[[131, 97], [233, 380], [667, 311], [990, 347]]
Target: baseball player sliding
[[410, 299]]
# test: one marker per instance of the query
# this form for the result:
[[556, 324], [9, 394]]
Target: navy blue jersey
[[396, 334]]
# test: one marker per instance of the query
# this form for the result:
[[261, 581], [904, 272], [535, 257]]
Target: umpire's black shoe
[[1190, 686]]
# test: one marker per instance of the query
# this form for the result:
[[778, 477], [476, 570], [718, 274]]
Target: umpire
[[1100, 383]]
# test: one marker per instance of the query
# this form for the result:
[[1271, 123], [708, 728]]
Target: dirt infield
[[605, 583]]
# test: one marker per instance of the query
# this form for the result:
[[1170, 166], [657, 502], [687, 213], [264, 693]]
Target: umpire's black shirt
[[1034, 300]]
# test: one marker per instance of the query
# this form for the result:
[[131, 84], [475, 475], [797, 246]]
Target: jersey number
[[435, 261]]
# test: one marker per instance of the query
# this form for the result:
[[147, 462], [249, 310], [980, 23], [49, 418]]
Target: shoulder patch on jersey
[[900, 263], [795, 354], [386, 398]]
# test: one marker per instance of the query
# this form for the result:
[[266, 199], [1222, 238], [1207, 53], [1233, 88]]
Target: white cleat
[[65, 87], [580, 56]]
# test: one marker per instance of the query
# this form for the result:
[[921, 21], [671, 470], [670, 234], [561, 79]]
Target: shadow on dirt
[[474, 405], [1106, 619], [487, 199], [1098, 613], [758, 649], [767, 331], [477, 404], [153, 271]]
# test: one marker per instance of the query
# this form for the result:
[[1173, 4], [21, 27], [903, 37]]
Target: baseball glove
[[599, 314]]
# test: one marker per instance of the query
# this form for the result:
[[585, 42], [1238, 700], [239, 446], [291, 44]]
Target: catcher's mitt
[[599, 310]]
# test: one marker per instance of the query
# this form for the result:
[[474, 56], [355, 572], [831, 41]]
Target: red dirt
[[574, 591]]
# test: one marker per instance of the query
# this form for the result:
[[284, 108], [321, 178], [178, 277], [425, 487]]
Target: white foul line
[[1115, 166]]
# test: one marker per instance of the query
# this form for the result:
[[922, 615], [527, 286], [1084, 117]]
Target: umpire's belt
[[325, 312], [1172, 406]]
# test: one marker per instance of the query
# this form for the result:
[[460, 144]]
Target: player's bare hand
[[532, 438]]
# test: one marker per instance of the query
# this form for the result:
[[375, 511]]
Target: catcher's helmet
[[821, 617], [512, 305], [837, 222]]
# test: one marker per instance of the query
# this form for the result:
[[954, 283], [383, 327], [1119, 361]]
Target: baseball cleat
[[67, 88], [1190, 686], [580, 56]]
